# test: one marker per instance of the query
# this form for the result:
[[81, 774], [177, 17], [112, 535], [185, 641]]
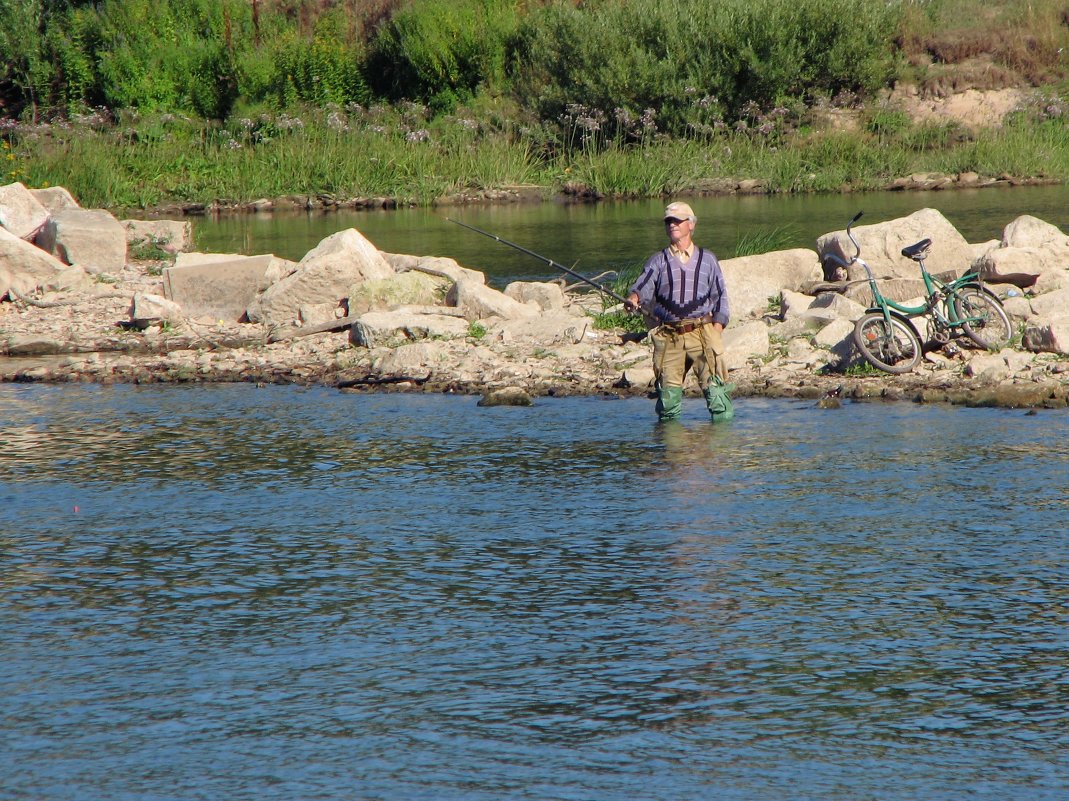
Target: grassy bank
[[199, 101], [404, 153]]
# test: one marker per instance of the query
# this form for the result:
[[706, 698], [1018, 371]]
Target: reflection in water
[[297, 593]]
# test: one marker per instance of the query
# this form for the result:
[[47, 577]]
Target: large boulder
[[441, 266], [746, 341], [90, 238], [837, 337], [219, 286], [882, 243], [20, 212], [1048, 336], [403, 289], [477, 301], [148, 309], [55, 198], [1051, 304], [415, 360], [1031, 232], [753, 280], [26, 268], [553, 328], [900, 290], [322, 281], [545, 295], [399, 327], [830, 306], [277, 269], [1029, 247]]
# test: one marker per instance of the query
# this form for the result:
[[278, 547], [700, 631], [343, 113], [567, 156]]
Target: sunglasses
[[674, 221]]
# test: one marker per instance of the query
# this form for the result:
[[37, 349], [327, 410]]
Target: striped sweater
[[675, 291]]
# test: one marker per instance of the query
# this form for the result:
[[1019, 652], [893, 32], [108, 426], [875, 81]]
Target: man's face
[[678, 230]]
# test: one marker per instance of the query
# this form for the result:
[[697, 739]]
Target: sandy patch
[[973, 107]]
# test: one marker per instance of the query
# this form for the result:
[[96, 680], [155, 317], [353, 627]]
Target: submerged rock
[[506, 396]]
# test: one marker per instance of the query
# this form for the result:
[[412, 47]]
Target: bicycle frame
[[939, 295]]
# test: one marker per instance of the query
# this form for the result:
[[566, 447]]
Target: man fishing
[[683, 288]]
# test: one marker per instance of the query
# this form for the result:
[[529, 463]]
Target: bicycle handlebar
[[850, 235], [857, 248]]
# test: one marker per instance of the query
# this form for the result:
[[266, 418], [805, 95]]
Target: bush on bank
[[698, 64], [203, 56], [199, 100]]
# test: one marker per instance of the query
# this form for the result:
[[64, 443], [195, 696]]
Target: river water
[[593, 238], [232, 592]]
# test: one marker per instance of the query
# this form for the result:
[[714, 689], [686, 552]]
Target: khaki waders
[[682, 347]]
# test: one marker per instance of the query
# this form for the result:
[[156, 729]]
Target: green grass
[[862, 369], [404, 153], [753, 243]]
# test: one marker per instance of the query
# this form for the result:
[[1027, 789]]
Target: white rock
[[20, 212], [89, 238]]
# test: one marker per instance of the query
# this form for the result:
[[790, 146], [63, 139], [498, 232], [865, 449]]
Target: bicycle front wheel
[[888, 345], [984, 320]]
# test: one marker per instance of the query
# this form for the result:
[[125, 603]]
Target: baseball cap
[[679, 211]]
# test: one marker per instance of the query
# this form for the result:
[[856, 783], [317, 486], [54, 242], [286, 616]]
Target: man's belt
[[686, 326]]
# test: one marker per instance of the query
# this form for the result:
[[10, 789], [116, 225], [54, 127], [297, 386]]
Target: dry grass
[[364, 15], [954, 44]]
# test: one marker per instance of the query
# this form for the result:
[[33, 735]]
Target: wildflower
[[336, 122], [418, 136], [588, 123], [751, 109]]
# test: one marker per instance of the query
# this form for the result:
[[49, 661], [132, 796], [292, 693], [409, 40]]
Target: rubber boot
[[669, 403], [717, 400]]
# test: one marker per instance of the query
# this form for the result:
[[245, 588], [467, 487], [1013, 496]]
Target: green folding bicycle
[[886, 335]]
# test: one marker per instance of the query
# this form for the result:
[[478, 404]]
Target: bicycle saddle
[[917, 251]]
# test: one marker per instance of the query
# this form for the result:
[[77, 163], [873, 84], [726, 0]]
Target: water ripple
[[291, 593]]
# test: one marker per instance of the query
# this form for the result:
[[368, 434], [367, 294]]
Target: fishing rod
[[548, 261]]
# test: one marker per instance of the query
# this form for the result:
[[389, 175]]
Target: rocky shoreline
[[352, 317], [92, 342]]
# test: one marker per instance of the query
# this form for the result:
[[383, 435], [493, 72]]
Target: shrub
[[441, 51], [25, 74], [325, 71], [694, 61]]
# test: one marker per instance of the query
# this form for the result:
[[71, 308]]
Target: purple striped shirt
[[676, 291]]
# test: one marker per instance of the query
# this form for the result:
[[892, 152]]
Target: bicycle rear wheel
[[984, 320], [890, 346]]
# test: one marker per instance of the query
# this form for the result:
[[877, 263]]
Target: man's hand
[[632, 303]]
